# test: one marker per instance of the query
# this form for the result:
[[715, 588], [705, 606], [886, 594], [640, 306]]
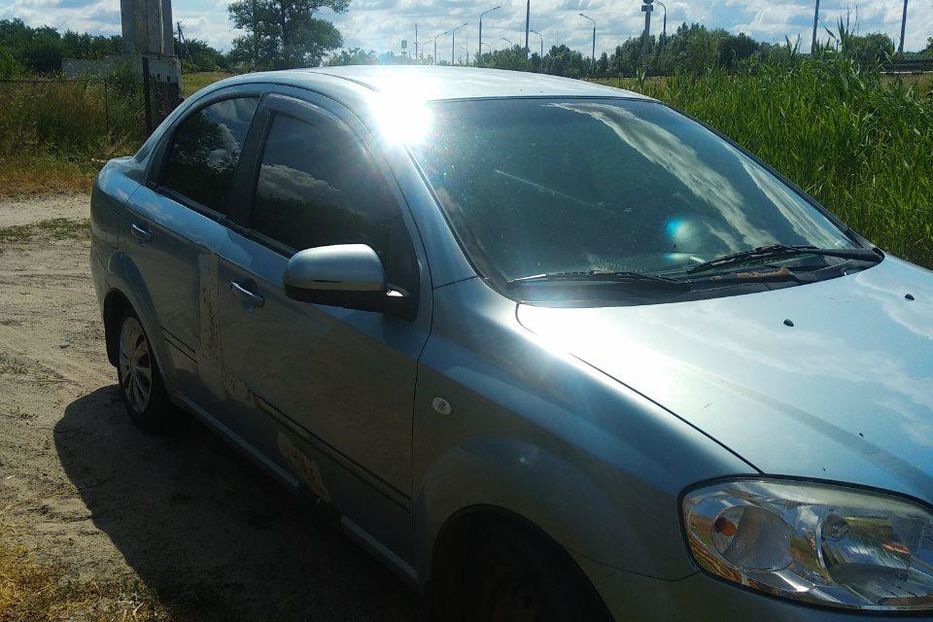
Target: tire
[[140, 380], [513, 576]]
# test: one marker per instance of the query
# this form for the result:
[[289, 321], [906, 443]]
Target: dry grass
[[33, 591], [34, 174], [191, 82]]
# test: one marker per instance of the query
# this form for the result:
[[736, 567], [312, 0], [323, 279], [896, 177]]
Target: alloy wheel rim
[[135, 365]]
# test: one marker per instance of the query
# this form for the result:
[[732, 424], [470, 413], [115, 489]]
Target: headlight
[[817, 543]]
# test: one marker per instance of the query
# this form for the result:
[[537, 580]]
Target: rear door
[[337, 383], [173, 226]]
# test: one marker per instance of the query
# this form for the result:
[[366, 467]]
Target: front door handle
[[241, 291], [141, 233]]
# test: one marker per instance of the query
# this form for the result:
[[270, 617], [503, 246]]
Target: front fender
[[523, 479], [528, 428]]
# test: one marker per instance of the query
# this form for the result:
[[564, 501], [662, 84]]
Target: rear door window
[[205, 150]]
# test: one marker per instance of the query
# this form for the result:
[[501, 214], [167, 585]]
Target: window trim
[[162, 152]]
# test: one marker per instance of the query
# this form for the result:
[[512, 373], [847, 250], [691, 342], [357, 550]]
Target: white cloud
[[382, 24]]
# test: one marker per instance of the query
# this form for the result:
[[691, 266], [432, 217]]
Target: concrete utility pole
[[594, 38], [647, 8], [541, 54], [453, 41], [900, 47], [479, 47], [816, 21]]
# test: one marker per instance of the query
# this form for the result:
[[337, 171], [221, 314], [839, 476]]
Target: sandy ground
[[202, 529]]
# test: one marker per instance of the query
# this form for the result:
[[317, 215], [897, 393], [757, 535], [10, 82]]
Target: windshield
[[534, 186]]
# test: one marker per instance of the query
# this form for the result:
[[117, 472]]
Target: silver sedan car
[[550, 350]]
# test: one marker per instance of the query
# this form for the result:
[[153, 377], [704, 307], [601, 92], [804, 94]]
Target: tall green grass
[[53, 132], [859, 142]]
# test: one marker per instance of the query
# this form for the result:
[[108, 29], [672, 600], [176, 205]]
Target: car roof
[[429, 83]]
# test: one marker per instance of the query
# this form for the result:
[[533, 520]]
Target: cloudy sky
[[382, 24]]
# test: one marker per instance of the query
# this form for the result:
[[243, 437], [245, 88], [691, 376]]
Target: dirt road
[[178, 528]]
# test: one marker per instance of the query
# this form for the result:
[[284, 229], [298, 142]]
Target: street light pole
[[816, 19], [480, 46], [453, 41], [509, 41], [541, 54], [594, 38], [900, 47], [527, 23], [434, 60], [664, 26]]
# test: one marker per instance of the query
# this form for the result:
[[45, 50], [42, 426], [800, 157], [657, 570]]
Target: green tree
[[602, 65], [352, 56], [868, 50], [283, 34], [510, 58], [198, 55], [735, 48]]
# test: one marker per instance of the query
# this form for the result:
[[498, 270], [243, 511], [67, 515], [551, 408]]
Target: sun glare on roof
[[401, 113]]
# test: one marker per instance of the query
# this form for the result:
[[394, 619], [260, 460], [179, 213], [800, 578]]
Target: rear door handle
[[141, 233], [247, 297]]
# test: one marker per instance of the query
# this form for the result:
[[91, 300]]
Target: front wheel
[[140, 380], [514, 577]]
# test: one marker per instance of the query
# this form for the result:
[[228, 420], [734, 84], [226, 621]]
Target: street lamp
[[594, 38], [816, 19], [527, 24], [900, 46], [542, 42], [664, 27], [453, 41], [509, 41], [435, 44], [480, 46]]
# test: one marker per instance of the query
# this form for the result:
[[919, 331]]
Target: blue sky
[[382, 24]]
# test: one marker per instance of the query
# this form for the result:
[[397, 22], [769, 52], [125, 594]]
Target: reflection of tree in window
[[315, 188], [205, 151]]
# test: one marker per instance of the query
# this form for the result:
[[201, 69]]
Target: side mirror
[[343, 275]]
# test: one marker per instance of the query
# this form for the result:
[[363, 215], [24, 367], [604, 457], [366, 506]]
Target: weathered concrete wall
[[161, 69]]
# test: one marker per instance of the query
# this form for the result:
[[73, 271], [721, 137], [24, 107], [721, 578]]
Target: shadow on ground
[[212, 536]]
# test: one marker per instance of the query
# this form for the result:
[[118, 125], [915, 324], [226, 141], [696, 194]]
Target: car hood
[[845, 393]]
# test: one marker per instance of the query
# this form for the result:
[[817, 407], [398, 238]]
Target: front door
[[337, 383]]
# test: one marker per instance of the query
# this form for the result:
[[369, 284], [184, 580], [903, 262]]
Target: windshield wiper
[[783, 250], [598, 276]]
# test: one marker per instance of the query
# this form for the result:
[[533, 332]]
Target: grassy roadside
[[38, 592], [54, 136], [191, 82], [861, 143], [51, 229]]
